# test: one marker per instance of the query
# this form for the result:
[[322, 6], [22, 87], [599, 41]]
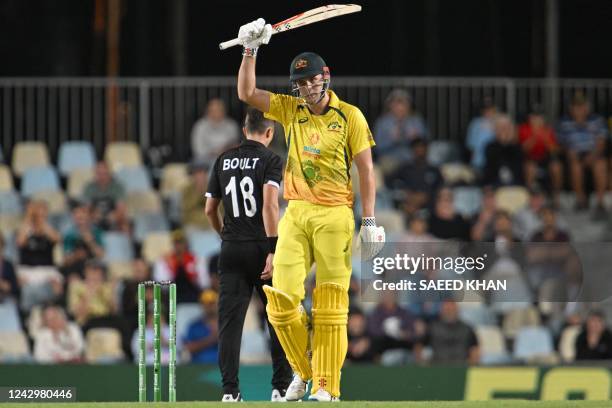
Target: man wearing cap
[[324, 135], [192, 205]]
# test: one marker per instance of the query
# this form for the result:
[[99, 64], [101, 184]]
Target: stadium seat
[[120, 270], [516, 319], [6, 179], [10, 203], [511, 199], [392, 220], [10, 247], [75, 155], [122, 154], [134, 178], [34, 321], [156, 245], [254, 348], [141, 202], [476, 314], [117, 247], [174, 178], [440, 152], [14, 347], [457, 173], [567, 343], [9, 316], [533, 344], [103, 345], [39, 179], [29, 154], [186, 313], [147, 223], [492, 345], [77, 181], [204, 243], [467, 200], [9, 223], [56, 201]]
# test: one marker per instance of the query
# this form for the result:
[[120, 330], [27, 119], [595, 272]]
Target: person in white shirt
[[58, 341], [214, 132]]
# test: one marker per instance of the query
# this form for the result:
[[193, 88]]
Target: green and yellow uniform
[[317, 227]]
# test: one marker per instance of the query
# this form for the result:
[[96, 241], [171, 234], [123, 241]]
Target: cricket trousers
[[240, 267]]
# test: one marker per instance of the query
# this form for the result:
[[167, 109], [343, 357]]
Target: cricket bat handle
[[227, 44]]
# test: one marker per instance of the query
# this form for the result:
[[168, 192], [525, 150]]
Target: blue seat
[[476, 314], [134, 179], [204, 243], [117, 247], [75, 155], [467, 200], [10, 203], [148, 223], [39, 179], [532, 342]]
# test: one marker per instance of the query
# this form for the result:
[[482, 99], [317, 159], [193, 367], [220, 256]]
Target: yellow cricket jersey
[[320, 148]]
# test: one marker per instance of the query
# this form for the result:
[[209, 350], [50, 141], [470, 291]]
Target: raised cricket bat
[[305, 18]]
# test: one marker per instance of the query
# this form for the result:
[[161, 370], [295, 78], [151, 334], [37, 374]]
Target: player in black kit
[[246, 179]]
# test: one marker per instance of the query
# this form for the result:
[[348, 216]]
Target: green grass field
[[345, 404]]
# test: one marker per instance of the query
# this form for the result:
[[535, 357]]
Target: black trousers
[[240, 267]]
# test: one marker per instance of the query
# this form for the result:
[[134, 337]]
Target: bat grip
[[227, 44]]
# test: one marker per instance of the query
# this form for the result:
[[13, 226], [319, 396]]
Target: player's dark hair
[[255, 122]]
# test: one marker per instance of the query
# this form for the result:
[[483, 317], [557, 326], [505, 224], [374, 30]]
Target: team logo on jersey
[[301, 63], [334, 127], [302, 120], [311, 172]]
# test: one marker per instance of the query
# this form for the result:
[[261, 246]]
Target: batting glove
[[254, 34], [372, 238]]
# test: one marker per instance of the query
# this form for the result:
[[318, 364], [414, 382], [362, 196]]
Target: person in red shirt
[[541, 151]]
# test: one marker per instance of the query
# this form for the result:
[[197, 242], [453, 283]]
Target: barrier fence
[[158, 111]]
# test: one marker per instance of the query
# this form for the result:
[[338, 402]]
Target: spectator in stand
[[595, 340], [39, 278], [141, 272], [550, 231], [416, 180], [36, 237], [81, 242], [8, 279], [201, 339], [504, 158], [583, 136], [213, 133], [185, 268], [541, 151], [106, 197], [58, 341], [417, 229], [93, 297], [396, 129], [192, 197], [549, 262], [444, 222], [359, 342], [481, 132], [527, 220], [391, 326], [451, 340], [483, 226]]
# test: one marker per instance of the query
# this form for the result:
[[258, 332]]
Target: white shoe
[[323, 396], [231, 398], [297, 389], [277, 396]]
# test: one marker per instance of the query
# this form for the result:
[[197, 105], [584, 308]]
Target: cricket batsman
[[324, 135]]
